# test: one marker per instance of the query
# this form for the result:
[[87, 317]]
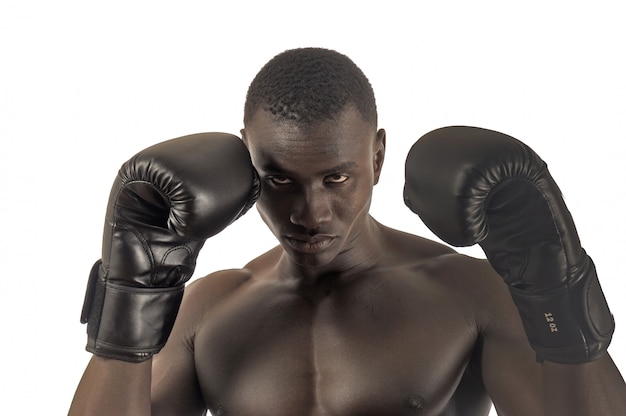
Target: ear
[[380, 145], [244, 138]]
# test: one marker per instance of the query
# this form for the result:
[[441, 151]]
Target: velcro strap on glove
[[568, 325], [128, 323]]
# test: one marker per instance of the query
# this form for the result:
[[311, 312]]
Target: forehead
[[346, 137]]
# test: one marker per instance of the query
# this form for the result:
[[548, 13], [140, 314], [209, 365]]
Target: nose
[[311, 209]]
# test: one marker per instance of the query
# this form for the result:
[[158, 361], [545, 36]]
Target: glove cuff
[[128, 323], [570, 324]]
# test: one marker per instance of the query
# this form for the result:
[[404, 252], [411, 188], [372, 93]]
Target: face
[[316, 183]]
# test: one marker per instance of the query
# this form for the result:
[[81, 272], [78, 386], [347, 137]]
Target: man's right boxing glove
[[165, 202]]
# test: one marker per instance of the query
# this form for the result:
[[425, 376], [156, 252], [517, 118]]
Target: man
[[344, 317]]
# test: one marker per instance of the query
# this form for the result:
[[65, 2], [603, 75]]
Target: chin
[[310, 260]]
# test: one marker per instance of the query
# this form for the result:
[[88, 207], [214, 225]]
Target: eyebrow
[[340, 167], [270, 167]]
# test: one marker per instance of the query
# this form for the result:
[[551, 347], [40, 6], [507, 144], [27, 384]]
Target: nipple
[[415, 403]]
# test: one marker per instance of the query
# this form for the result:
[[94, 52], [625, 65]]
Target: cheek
[[353, 205], [359, 206], [270, 210]]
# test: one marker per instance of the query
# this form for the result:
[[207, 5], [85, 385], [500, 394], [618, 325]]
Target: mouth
[[309, 244]]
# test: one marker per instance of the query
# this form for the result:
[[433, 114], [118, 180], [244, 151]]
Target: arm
[[113, 387], [471, 185], [600, 386], [510, 372], [519, 385], [165, 202], [166, 383], [175, 388]]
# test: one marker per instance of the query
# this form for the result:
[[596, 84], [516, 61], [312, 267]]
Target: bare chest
[[379, 350]]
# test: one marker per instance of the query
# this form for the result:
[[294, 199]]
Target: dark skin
[[346, 316]]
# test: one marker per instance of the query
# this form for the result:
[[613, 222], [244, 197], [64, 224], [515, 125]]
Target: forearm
[[112, 387], [594, 388]]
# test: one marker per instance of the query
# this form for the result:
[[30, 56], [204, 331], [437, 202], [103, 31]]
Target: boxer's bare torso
[[346, 316], [400, 337]]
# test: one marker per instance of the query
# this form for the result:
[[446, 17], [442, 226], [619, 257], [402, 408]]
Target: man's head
[[310, 85], [310, 127]]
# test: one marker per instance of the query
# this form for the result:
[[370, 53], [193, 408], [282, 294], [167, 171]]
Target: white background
[[84, 85]]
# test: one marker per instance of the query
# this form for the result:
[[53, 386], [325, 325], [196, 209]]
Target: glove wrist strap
[[570, 324], [128, 323]]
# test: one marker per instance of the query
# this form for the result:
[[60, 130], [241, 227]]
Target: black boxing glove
[[470, 185], [165, 202]]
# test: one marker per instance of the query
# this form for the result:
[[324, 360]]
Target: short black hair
[[309, 85]]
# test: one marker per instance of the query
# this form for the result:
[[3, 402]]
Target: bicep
[[510, 371], [175, 388]]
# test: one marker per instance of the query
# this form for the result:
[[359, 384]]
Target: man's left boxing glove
[[471, 185], [165, 202]]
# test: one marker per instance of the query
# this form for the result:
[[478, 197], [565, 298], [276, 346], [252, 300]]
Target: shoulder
[[205, 292], [442, 261], [474, 276], [402, 244], [482, 290], [469, 279], [440, 265]]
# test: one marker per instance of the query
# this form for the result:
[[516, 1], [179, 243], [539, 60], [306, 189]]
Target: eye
[[279, 180], [336, 178]]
